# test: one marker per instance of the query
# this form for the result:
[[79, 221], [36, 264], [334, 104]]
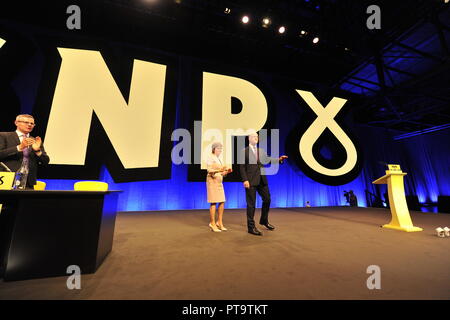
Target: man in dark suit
[[254, 179], [18, 146]]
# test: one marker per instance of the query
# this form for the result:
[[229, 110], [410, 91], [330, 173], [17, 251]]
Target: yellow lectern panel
[[401, 220], [6, 180]]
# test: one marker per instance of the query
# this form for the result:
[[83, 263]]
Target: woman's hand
[[227, 169], [214, 174]]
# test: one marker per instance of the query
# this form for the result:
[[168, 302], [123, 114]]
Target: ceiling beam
[[420, 52]]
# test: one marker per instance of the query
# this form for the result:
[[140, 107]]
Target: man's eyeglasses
[[29, 123]]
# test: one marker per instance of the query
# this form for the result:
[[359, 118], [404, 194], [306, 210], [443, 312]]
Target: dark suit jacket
[[10, 156], [252, 170]]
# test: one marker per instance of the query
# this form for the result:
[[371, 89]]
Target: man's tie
[[26, 154]]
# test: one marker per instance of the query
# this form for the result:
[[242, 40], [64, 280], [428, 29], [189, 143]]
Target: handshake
[[443, 232]]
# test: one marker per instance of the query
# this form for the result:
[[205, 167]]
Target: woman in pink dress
[[214, 186]]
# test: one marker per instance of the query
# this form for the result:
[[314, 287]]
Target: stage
[[314, 253]]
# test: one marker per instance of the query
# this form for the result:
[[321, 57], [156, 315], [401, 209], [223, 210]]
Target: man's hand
[[26, 142], [246, 184], [282, 158], [37, 144]]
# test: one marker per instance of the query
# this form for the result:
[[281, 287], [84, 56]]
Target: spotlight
[[303, 33], [282, 29], [316, 40], [245, 19], [227, 11], [266, 22], [178, 1]]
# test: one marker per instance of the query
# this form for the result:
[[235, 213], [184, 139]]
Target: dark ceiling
[[401, 72]]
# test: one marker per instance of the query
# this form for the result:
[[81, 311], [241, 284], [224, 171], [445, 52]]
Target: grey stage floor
[[315, 253]]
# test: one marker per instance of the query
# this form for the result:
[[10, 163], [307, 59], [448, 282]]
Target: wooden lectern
[[401, 220]]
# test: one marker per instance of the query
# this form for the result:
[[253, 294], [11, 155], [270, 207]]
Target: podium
[[6, 182], [401, 220], [43, 232]]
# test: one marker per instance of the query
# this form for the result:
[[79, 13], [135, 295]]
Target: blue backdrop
[[425, 158]]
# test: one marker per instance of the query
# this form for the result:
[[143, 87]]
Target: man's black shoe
[[255, 231], [268, 226]]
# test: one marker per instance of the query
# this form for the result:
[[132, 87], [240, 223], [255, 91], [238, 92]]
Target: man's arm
[[6, 151], [265, 159], [43, 158], [242, 169], [39, 151]]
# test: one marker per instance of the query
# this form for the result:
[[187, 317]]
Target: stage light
[[266, 22], [446, 1], [316, 40], [227, 11], [282, 29], [303, 33], [317, 7], [178, 1], [245, 19]]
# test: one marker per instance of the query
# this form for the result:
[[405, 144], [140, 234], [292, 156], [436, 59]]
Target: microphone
[[5, 166]]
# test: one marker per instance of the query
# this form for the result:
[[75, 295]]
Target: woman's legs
[[220, 217], [212, 216]]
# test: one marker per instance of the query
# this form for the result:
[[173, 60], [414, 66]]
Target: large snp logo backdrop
[[96, 108]]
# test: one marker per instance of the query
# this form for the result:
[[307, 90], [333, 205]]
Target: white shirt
[[22, 135]]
